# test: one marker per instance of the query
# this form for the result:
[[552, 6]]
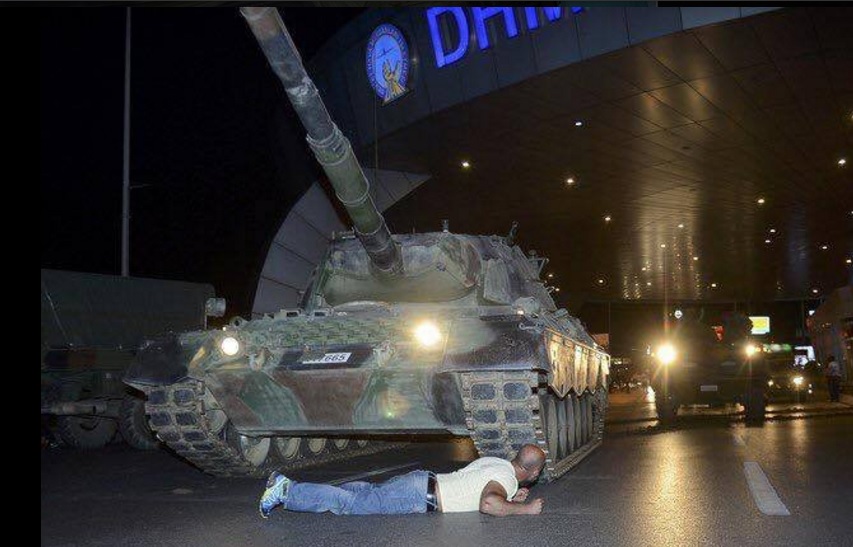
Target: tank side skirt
[[177, 415]]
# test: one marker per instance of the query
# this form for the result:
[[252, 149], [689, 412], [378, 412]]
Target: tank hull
[[496, 378]]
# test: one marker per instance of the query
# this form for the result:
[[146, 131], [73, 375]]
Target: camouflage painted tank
[[406, 334]]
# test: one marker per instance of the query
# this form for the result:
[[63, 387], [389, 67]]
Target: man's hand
[[493, 502], [535, 506]]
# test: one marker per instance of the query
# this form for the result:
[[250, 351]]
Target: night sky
[[211, 138]]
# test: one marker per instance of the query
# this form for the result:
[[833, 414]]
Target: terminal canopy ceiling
[[706, 164]]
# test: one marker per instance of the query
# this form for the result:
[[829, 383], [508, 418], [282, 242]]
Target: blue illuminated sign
[[455, 20], [387, 62]]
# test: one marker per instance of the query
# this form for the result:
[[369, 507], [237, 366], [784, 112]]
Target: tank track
[[177, 415], [503, 413]]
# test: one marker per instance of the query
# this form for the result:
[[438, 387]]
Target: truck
[[693, 367], [91, 327]]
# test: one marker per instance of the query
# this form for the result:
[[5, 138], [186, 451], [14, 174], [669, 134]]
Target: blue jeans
[[399, 495]]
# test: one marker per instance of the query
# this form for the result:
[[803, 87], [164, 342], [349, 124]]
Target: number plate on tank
[[328, 358], [708, 388]]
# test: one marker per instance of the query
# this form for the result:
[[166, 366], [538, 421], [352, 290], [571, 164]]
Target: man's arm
[[493, 502]]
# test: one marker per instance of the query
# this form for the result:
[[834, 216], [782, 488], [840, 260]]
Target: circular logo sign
[[388, 62]]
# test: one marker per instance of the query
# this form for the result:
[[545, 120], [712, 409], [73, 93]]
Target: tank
[[405, 335]]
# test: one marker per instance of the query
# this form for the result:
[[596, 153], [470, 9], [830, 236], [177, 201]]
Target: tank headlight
[[229, 346], [666, 354], [798, 381], [427, 334], [751, 349]]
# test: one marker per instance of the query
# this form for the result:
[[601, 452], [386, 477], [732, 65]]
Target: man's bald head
[[529, 462]]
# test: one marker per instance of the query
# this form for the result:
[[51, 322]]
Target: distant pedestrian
[[833, 379]]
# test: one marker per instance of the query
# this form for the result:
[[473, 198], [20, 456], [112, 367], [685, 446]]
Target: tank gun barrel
[[331, 148]]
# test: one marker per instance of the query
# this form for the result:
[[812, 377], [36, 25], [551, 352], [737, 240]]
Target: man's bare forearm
[[498, 507]]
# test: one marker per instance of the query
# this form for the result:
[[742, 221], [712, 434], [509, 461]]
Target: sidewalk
[[847, 394]]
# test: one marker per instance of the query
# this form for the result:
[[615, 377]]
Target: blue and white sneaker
[[275, 493]]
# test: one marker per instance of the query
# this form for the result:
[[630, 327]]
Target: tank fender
[[494, 343], [158, 362]]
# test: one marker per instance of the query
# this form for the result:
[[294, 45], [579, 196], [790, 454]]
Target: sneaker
[[275, 493]]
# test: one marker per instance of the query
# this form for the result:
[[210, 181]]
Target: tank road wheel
[[86, 431], [562, 425], [133, 424], [550, 425], [570, 424], [287, 448], [314, 447], [590, 426], [340, 444], [252, 449], [576, 412]]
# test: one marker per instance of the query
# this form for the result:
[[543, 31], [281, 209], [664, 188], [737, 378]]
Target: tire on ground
[[133, 424], [666, 407], [86, 431], [755, 404]]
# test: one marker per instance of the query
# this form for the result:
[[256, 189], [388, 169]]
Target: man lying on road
[[489, 485]]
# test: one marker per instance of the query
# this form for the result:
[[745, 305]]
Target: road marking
[[763, 493], [371, 473], [739, 440]]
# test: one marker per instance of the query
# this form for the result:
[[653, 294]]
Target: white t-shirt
[[461, 490]]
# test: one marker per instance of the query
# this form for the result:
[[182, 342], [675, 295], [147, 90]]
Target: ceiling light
[[601, 282], [814, 291], [842, 161], [643, 269], [824, 247], [766, 241], [550, 276], [849, 261], [607, 218], [695, 258], [761, 201], [648, 283], [663, 245], [556, 289], [466, 164], [713, 285], [570, 180], [681, 225], [772, 230], [578, 123]]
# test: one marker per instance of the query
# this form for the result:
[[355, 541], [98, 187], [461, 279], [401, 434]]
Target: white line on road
[[372, 473], [763, 493], [739, 440]]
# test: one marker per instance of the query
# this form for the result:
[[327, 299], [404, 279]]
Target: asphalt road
[[646, 485]]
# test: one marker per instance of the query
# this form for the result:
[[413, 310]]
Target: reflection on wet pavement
[[634, 411]]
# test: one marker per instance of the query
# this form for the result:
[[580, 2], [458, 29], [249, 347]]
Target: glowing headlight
[[798, 381], [427, 334], [666, 354], [751, 349], [229, 346]]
